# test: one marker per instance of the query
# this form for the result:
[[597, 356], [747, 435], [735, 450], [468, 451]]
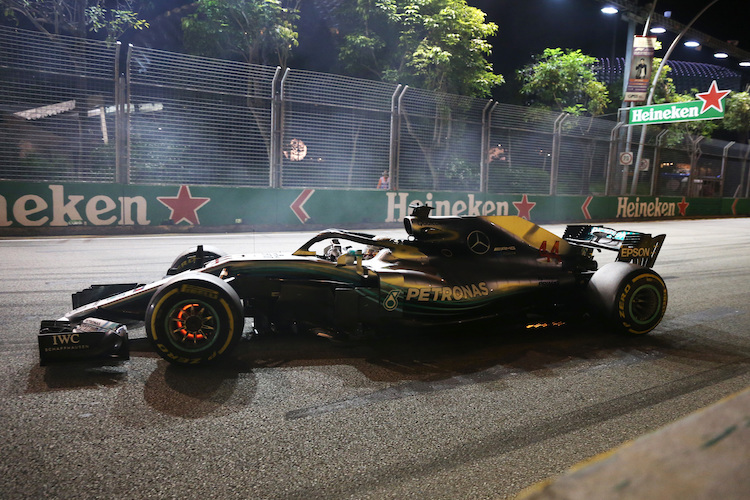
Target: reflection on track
[[451, 369]]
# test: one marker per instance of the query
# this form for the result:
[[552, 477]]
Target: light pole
[[649, 101], [610, 10]]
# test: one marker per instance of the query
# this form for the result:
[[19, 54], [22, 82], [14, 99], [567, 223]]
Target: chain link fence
[[53, 92], [197, 120], [335, 130], [85, 111]]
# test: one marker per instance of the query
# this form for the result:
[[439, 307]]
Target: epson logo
[[635, 252]]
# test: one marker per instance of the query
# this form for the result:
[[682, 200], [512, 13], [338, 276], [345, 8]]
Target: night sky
[[528, 27]]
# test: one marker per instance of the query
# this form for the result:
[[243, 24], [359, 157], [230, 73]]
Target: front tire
[[630, 297], [194, 318]]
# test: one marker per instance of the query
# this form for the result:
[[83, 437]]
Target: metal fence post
[[555, 161], [485, 145], [724, 166], [614, 143], [274, 150], [743, 178], [120, 172], [628, 149], [657, 160], [694, 155], [395, 135], [126, 109]]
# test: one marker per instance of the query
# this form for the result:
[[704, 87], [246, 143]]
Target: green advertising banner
[[61, 206], [710, 106], [672, 112]]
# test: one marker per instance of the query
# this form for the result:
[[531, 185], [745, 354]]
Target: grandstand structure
[[687, 76]]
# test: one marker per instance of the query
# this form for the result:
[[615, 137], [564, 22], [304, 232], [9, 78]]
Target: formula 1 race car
[[447, 272]]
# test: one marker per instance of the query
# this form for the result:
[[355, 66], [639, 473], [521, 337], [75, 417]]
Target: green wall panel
[[61, 205]]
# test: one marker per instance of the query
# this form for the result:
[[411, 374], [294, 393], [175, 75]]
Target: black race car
[[447, 272]]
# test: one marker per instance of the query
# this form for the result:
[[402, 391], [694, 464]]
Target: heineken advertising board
[[709, 106], [80, 208]]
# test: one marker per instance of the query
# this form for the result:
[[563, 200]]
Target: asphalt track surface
[[468, 415]]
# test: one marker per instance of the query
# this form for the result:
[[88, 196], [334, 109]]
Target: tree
[[692, 128], [255, 31], [431, 45], [77, 18], [737, 119], [680, 133], [438, 45], [665, 89], [737, 114], [565, 81]]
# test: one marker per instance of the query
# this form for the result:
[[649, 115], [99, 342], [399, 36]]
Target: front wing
[[92, 339]]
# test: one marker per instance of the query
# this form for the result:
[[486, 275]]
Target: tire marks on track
[[504, 442]]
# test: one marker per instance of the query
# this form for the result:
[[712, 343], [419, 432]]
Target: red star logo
[[183, 207], [683, 206], [712, 98], [524, 207]]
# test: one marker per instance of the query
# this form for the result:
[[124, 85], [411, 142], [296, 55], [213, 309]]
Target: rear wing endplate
[[631, 246]]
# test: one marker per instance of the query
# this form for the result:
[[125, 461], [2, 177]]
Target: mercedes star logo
[[478, 242]]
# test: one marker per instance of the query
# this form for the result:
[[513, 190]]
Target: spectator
[[384, 181]]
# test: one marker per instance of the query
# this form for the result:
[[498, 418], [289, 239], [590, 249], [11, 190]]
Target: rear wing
[[631, 246]]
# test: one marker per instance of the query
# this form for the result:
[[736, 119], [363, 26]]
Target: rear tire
[[194, 318], [631, 298]]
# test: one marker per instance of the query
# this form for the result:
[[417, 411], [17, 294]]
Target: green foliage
[[665, 87], [113, 22], [665, 91], [564, 80], [683, 130], [364, 51], [461, 174], [521, 179], [256, 31], [436, 45], [737, 113], [76, 17]]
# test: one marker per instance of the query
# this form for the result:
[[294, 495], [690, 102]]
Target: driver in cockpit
[[372, 250]]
